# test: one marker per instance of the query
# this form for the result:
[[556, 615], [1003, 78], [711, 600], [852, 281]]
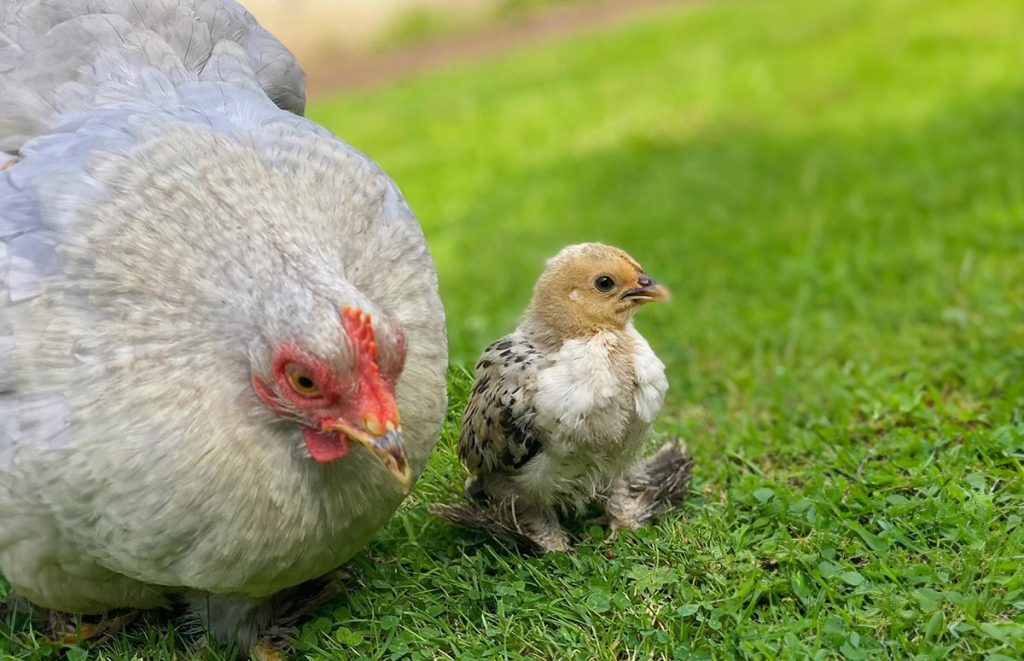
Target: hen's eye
[[604, 283], [303, 383]]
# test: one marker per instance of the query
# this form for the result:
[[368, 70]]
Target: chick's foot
[[535, 530]]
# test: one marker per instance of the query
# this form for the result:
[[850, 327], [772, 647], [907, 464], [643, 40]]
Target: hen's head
[[590, 287], [338, 384]]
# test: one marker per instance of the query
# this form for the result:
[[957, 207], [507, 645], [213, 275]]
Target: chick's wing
[[499, 431]]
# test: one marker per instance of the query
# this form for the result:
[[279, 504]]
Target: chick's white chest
[[581, 390], [596, 403]]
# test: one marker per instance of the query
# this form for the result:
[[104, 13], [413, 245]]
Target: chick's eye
[[303, 383], [604, 283]]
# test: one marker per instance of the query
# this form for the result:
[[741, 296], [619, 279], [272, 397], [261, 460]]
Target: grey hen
[[222, 351]]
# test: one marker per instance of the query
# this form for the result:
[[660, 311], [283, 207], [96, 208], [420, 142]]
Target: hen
[[222, 351], [561, 407]]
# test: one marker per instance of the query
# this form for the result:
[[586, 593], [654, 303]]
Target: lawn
[[835, 193]]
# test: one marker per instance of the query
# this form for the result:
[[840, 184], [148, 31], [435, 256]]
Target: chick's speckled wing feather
[[499, 431]]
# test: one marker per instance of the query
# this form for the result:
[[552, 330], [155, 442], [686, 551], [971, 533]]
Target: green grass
[[427, 24], [835, 193]]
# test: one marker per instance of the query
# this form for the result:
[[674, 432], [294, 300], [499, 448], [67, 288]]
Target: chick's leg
[[541, 525], [476, 490], [649, 488], [494, 507]]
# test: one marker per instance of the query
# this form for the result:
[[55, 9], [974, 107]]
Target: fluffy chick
[[562, 406]]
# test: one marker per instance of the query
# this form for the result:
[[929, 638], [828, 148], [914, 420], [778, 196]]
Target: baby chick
[[562, 406]]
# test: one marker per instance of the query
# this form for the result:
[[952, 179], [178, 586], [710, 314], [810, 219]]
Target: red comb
[[359, 327]]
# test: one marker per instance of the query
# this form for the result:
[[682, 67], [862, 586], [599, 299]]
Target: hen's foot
[[68, 629], [650, 488], [268, 650], [308, 598], [276, 641]]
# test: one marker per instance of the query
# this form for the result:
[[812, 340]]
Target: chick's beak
[[647, 290], [383, 440]]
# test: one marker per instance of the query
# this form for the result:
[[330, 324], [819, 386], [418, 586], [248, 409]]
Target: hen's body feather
[[169, 201]]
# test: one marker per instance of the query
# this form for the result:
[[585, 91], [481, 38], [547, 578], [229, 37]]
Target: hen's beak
[[384, 441], [647, 290]]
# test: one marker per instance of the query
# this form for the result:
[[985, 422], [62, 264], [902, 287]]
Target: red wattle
[[325, 448]]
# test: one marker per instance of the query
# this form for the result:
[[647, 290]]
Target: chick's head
[[591, 287]]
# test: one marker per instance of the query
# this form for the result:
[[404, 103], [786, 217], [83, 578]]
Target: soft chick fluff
[[562, 406]]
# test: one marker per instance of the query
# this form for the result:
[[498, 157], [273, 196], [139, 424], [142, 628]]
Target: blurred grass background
[[835, 193], [424, 24], [843, 170], [322, 32]]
